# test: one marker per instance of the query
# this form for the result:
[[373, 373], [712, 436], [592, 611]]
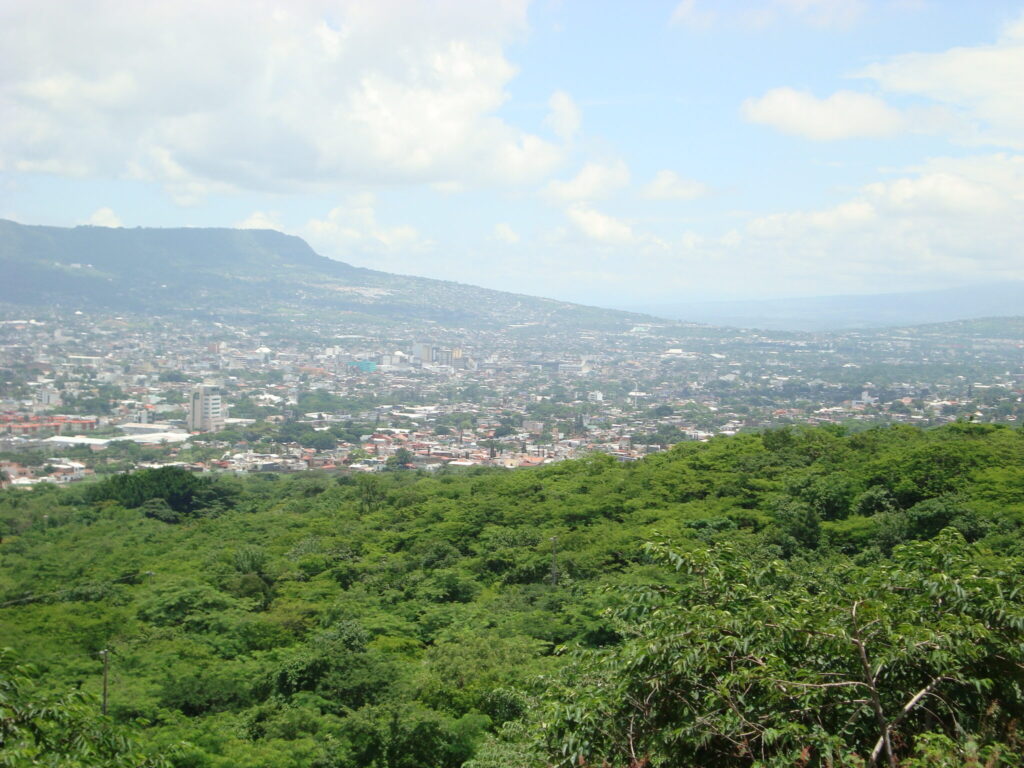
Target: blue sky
[[607, 152]]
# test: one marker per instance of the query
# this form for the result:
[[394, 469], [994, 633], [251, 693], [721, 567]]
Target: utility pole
[[106, 669], [554, 561]]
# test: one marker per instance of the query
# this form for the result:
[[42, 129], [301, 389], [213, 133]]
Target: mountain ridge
[[853, 311], [222, 269]]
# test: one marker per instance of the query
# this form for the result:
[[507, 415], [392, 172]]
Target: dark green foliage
[[322, 441], [874, 501], [401, 619], [183, 493], [401, 460], [159, 509], [40, 728], [799, 527], [185, 603], [176, 376], [750, 661]]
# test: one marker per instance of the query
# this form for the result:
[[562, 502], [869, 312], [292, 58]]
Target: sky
[[612, 153]]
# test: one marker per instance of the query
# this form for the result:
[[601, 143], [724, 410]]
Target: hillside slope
[[833, 313], [399, 620], [244, 272]]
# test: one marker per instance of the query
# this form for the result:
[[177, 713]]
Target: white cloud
[[599, 226], [843, 115], [353, 228], [105, 217], [818, 13], [594, 180], [945, 222], [448, 187], [688, 14], [826, 13], [505, 233], [564, 118], [949, 220], [982, 84], [668, 185], [973, 96], [839, 219], [264, 94], [260, 220]]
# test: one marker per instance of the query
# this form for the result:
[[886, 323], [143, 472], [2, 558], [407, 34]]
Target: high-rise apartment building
[[206, 411], [423, 351]]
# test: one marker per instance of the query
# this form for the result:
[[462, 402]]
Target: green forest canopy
[[800, 597]]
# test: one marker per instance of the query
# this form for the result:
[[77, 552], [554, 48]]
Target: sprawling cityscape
[[85, 394]]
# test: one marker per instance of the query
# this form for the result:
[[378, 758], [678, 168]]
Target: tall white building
[[423, 351], [206, 412], [49, 397]]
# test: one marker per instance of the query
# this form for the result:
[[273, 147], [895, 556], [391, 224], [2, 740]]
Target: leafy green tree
[[321, 441], [751, 662], [402, 458], [172, 376], [799, 526], [398, 734], [41, 728], [371, 493], [183, 492], [185, 603], [159, 509]]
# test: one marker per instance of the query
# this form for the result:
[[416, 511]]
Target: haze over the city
[[609, 153]]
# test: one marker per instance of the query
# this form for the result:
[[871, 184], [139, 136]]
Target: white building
[[423, 351], [206, 412], [48, 397]]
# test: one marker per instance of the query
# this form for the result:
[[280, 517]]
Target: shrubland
[[797, 597]]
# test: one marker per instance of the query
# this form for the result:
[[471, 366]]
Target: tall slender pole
[[554, 561], [106, 669]]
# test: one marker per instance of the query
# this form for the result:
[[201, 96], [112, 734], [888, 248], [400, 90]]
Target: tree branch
[[876, 701], [907, 708]]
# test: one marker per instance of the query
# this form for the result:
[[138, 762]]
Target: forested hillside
[[232, 272], [801, 597]]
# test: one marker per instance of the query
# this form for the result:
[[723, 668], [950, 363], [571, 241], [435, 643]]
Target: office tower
[[206, 411]]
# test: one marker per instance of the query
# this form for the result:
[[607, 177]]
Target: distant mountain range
[[267, 273], [245, 271], [824, 313]]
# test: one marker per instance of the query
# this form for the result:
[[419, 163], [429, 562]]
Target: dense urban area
[[86, 394]]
